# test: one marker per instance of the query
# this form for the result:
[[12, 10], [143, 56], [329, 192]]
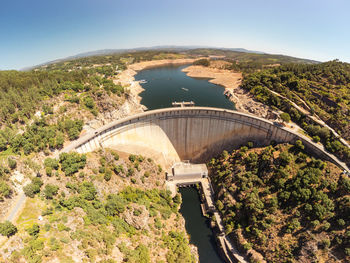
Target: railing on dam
[[195, 130]]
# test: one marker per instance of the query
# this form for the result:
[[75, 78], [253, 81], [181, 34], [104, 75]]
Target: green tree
[[12, 163], [34, 230], [72, 162], [114, 205], [7, 229], [285, 117], [50, 191]]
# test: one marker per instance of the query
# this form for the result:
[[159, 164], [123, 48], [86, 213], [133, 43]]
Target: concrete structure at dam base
[[196, 134]]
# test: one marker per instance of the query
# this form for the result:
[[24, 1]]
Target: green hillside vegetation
[[283, 203], [248, 62], [88, 218], [242, 61], [323, 87], [109, 63]]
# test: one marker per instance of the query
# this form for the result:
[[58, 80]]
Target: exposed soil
[[126, 78], [232, 82]]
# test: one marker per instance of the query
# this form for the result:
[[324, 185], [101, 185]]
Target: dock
[[183, 104]]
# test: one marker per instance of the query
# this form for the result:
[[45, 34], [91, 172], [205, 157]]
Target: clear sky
[[37, 31]]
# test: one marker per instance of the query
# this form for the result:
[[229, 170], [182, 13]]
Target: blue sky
[[37, 31]]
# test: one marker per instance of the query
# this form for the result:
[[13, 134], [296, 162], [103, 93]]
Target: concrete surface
[[193, 133]]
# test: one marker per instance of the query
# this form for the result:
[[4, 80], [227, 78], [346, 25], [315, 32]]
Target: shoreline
[[231, 81], [127, 77]]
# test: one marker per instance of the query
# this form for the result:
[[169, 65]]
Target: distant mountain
[[169, 48], [164, 47]]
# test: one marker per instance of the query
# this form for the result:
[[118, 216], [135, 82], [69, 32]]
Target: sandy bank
[[126, 78], [232, 82]]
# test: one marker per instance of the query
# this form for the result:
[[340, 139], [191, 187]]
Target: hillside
[[246, 60], [284, 204], [94, 208], [110, 205], [99, 208], [322, 90]]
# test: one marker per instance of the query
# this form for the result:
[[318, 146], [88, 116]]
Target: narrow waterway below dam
[[198, 227]]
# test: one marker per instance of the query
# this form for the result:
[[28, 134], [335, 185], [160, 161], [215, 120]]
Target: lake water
[[168, 84]]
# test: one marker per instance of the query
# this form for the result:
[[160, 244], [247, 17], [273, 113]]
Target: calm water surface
[[168, 84], [198, 226]]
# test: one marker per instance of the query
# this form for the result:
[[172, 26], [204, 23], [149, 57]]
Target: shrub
[[89, 102], [72, 162], [52, 163], [33, 188], [34, 230], [12, 163], [202, 62], [132, 158], [108, 175], [8, 229], [50, 191], [114, 205], [5, 190], [285, 117], [316, 138]]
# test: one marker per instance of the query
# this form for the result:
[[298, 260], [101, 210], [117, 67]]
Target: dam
[[196, 134]]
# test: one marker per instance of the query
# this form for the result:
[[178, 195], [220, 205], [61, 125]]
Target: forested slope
[[324, 88], [283, 203]]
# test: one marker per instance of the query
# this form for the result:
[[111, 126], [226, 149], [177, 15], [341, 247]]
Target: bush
[[299, 144], [50, 191], [12, 163], [33, 188], [5, 190], [34, 230], [202, 62], [8, 229], [316, 138], [115, 205], [132, 158], [52, 163], [89, 102], [285, 117], [72, 162], [108, 175]]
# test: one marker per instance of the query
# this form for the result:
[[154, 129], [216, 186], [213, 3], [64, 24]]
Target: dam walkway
[[231, 252]]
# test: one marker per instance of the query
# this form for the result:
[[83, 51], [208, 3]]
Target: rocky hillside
[[102, 207], [282, 205], [99, 207]]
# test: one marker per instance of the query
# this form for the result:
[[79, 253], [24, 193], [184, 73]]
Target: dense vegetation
[[322, 89], [90, 203], [248, 62], [125, 215], [287, 205], [111, 62]]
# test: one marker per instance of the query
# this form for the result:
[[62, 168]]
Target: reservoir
[[168, 84], [198, 226]]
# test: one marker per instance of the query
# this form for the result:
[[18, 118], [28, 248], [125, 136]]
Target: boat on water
[[142, 81], [184, 89]]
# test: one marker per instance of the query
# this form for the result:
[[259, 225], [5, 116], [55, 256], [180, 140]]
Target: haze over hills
[[172, 48]]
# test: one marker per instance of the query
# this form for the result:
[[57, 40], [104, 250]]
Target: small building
[[186, 170]]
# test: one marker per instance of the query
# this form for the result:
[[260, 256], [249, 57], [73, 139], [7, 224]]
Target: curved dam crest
[[194, 133]]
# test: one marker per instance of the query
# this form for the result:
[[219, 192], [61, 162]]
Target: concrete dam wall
[[193, 133]]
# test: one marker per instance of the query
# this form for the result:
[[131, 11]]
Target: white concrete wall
[[195, 133]]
